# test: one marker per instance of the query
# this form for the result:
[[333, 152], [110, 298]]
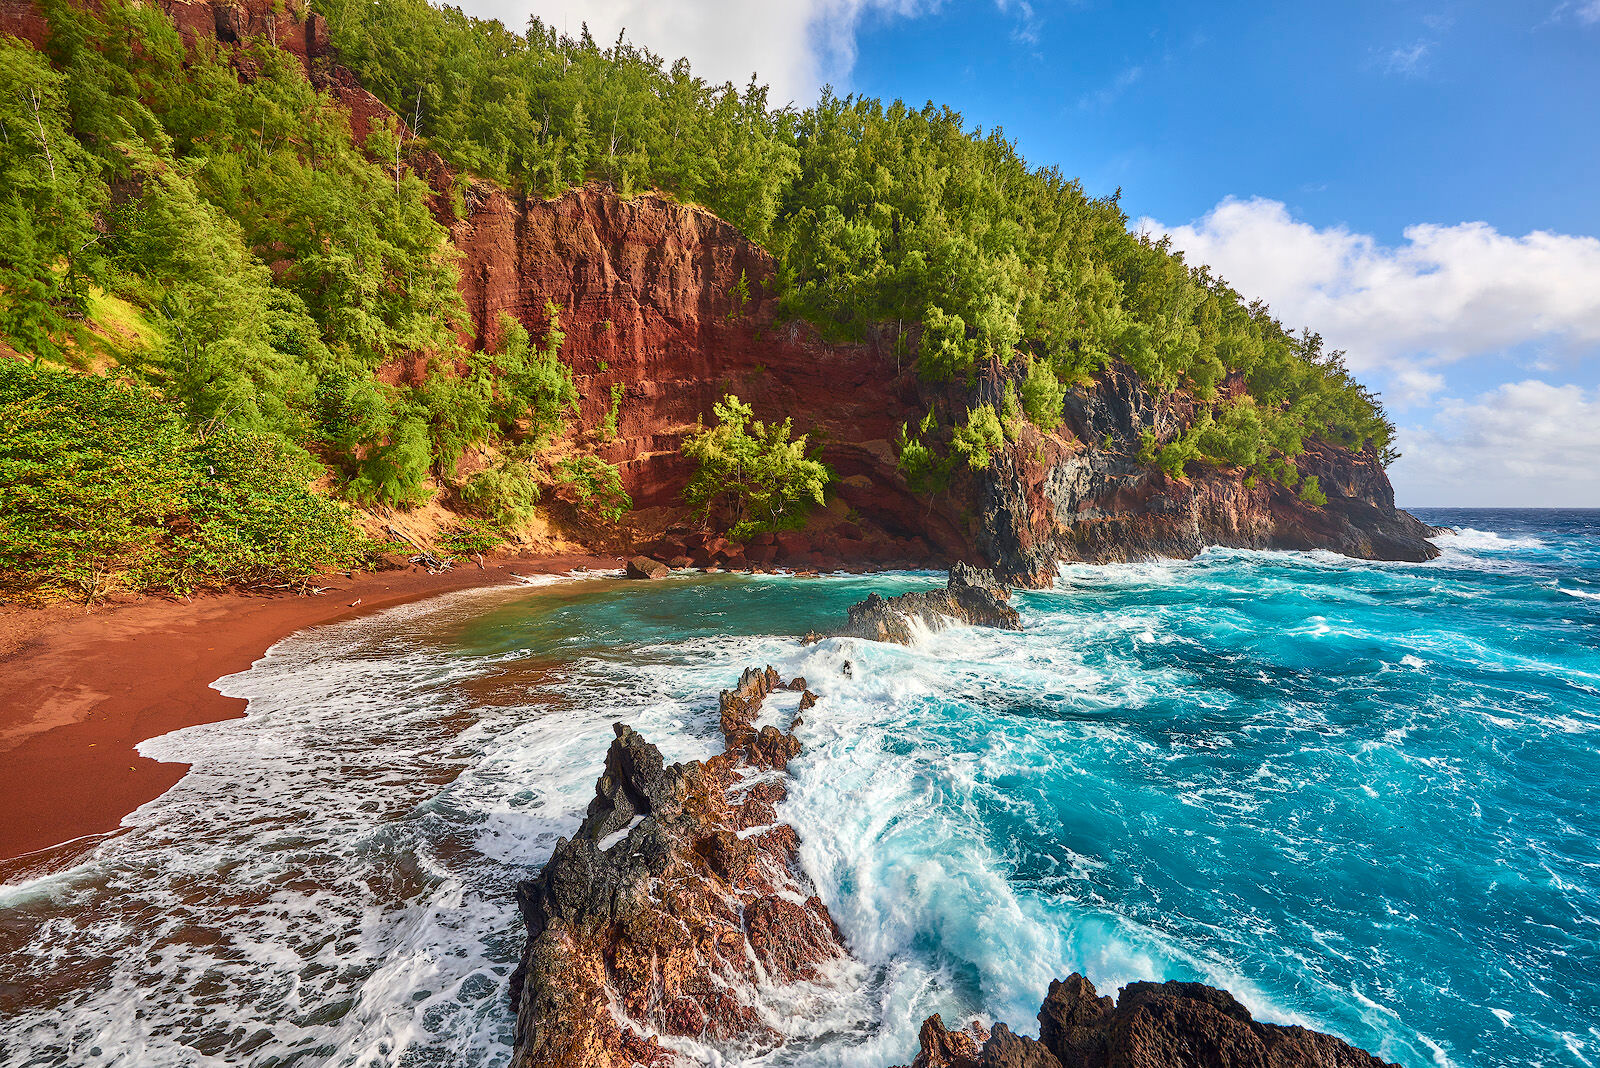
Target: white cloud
[[1410, 60], [1585, 11], [1445, 294], [1028, 23], [1106, 96], [794, 46], [1522, 444]]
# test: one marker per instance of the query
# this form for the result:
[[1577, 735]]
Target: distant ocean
[[1364, 797]]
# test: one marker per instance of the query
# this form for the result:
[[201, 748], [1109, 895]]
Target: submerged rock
[[1150, 1025], [972, 596], [679, 895]]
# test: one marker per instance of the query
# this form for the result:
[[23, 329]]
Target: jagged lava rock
[[1151, 1025], [677, 899], [972, 596]]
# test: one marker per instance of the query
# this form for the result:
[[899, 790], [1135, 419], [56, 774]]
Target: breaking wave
[[1359, 796]]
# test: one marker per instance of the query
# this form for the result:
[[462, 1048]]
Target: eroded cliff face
[[650, 292], [647, 286], [650, 295], [1082, 495]]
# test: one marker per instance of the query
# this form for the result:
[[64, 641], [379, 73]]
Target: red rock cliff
[[647, 290]]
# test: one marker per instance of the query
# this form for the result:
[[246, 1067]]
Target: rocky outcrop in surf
[[677, 903], [972, 596], [1150, 1025]]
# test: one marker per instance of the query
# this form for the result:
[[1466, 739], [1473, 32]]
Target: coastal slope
[[666, 307]]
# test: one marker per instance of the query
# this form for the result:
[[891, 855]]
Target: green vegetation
[[1042, 395], [253, 271], [104, 484], [608, 425], [876, 213], [753, 471], [597, 484], [470, 537], [505, 493], [192, 224], [980, 438]]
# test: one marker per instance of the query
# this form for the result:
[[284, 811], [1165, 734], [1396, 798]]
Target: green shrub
[[1175, 455], [505, 493], [396, 470], [763, 480], [471, 537], [254, 517], [104, 484], [923, 470], [608, 426], [598, 486], [1043, 396], [532, 385], [1311, 491], [91, 472], [980, 439]]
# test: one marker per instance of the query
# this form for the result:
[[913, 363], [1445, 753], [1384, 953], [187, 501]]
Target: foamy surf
[[1273, 772]]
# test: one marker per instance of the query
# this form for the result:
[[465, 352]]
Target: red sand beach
[[78, 690]]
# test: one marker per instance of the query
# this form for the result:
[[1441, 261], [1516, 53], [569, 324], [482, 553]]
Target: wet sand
[[78, 690]]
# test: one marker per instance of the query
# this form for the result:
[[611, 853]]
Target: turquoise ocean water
[[1362, 796]]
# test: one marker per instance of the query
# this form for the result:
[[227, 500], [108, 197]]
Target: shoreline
[[79, 689]]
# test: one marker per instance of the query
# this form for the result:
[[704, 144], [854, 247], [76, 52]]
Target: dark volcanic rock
[[1086, 497], [679, 892], [942, 1048], [971, 596], [642, 567], [1151, 1025]]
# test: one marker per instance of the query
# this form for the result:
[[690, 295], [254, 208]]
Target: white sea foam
[[1487, 541], [976, 809]]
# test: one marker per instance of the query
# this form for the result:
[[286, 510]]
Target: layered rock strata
[[971, 595], [678, 901], [1150, 1025]]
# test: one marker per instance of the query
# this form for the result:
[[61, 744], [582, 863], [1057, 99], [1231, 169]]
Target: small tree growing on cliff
[[765, 480]]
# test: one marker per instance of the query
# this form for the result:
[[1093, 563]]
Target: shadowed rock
[[972, 596], [677, 898], [1151, 1025], [642, 567]]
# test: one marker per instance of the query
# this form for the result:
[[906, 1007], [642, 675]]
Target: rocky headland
[[665, 923], [672, 306]]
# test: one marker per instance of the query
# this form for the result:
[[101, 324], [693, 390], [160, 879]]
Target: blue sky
[[1378, 114], [1418, 181]]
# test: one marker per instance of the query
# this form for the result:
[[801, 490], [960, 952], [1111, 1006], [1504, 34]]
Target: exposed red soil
[[78, 690]]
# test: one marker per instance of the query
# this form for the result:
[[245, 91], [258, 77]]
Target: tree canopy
[[878, 214]]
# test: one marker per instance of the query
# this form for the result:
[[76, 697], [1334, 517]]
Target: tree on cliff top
[[763, 479], [876, 213]]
